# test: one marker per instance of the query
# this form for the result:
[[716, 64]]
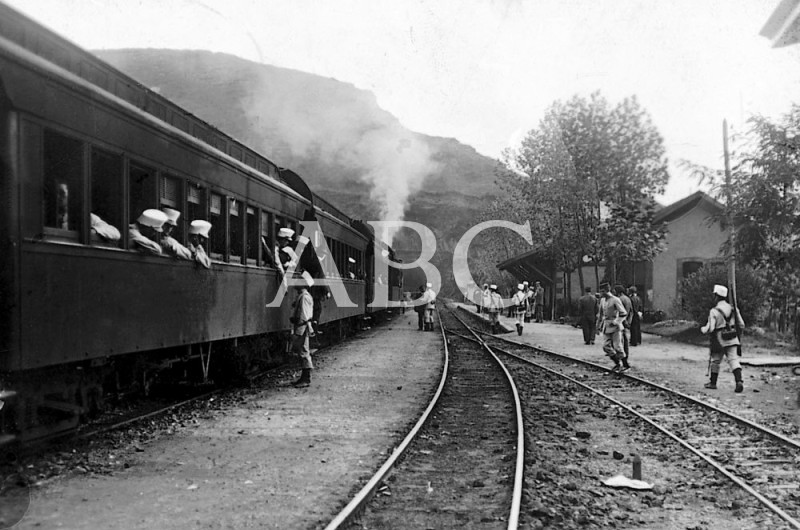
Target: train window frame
[[79, 212], [117, 220], [178, 233], [252, 231], [219, 226], [236, 236], [267, 236], [200, 211], [135, 164]]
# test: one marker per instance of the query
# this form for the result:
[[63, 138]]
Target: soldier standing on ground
[[495, 307], [538, 296], [301, 329], [520, 303], [611, 318], [636, 321], [722, 319], [619, 290], [588, 305]]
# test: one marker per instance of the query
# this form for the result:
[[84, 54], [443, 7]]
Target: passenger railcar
[[80, 316]]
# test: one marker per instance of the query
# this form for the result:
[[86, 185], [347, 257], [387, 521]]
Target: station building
[[694, 239]]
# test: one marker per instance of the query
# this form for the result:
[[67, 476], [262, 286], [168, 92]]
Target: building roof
[[529, 266], [680, 208]]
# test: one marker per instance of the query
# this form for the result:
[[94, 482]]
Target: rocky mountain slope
[[348, 149]]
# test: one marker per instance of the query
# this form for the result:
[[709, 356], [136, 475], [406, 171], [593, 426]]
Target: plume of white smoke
[[345, 127]]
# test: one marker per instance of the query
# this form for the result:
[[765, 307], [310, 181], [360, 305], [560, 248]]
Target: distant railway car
[[81, 316]]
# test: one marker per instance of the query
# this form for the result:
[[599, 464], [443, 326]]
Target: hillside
[[347, 148]]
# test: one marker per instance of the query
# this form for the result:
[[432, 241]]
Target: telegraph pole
[[729, 199]]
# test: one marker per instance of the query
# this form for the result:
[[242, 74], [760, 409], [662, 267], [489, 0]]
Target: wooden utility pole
[[729, 200]]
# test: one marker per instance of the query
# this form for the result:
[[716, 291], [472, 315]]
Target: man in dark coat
[[636, 322], [588, 305]]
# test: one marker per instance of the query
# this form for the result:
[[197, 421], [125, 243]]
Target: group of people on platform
[[151, 233], [527, 304]]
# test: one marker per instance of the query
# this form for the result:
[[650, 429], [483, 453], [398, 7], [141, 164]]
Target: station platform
[[769, 378], [280, 457]]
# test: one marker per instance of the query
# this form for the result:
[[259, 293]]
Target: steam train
[[81, 317]]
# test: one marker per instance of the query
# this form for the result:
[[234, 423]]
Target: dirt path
[[280, 458]]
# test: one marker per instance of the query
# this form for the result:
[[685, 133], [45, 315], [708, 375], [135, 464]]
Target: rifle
[[736, 324]]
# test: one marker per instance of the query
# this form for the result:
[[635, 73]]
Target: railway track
[[763, 463], [461, 464]]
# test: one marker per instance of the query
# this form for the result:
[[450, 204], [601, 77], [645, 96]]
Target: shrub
[[697, 290]]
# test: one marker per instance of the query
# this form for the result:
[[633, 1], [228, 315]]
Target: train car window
[[143, 189], [253, 233], [280, 222], [171, 196], [63, 182], [236, 225], [195, 203], [107, 190], [266, 236], [216, 239]]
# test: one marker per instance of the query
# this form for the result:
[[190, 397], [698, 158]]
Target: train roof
[[47, 44]]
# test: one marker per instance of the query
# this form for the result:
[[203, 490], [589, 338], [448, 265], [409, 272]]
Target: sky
[[484, 71]]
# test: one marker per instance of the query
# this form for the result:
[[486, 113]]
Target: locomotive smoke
[[342, 127]]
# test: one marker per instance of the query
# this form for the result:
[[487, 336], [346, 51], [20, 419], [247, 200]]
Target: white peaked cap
[[351, 260], [721, 290], [200, 228], [285, 232], [525, 283], [493, 286], [428, 285], [155, 219], [305, 279], [520, 286], [172, 215]]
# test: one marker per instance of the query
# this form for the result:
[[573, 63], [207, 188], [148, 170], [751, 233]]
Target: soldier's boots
[[519, 329], [737, 374], [305, 379], [712, 384]]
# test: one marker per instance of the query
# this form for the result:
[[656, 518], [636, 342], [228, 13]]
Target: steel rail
[[365, 494], [742, 421], [516, 497], [736, 480]]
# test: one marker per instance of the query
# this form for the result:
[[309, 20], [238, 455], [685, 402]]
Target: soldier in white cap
[[144, 231], [520, 303], [284, 249], [198, 231], [104, 230], [430, 306], [302, 328], [169, 244], [495, 307], [724, 339]]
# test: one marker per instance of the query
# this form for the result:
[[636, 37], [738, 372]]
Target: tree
[[586, 157], [763, 201]]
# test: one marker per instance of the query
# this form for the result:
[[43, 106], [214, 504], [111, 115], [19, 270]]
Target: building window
[[690, 267], [107, 186], [63, 182]]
